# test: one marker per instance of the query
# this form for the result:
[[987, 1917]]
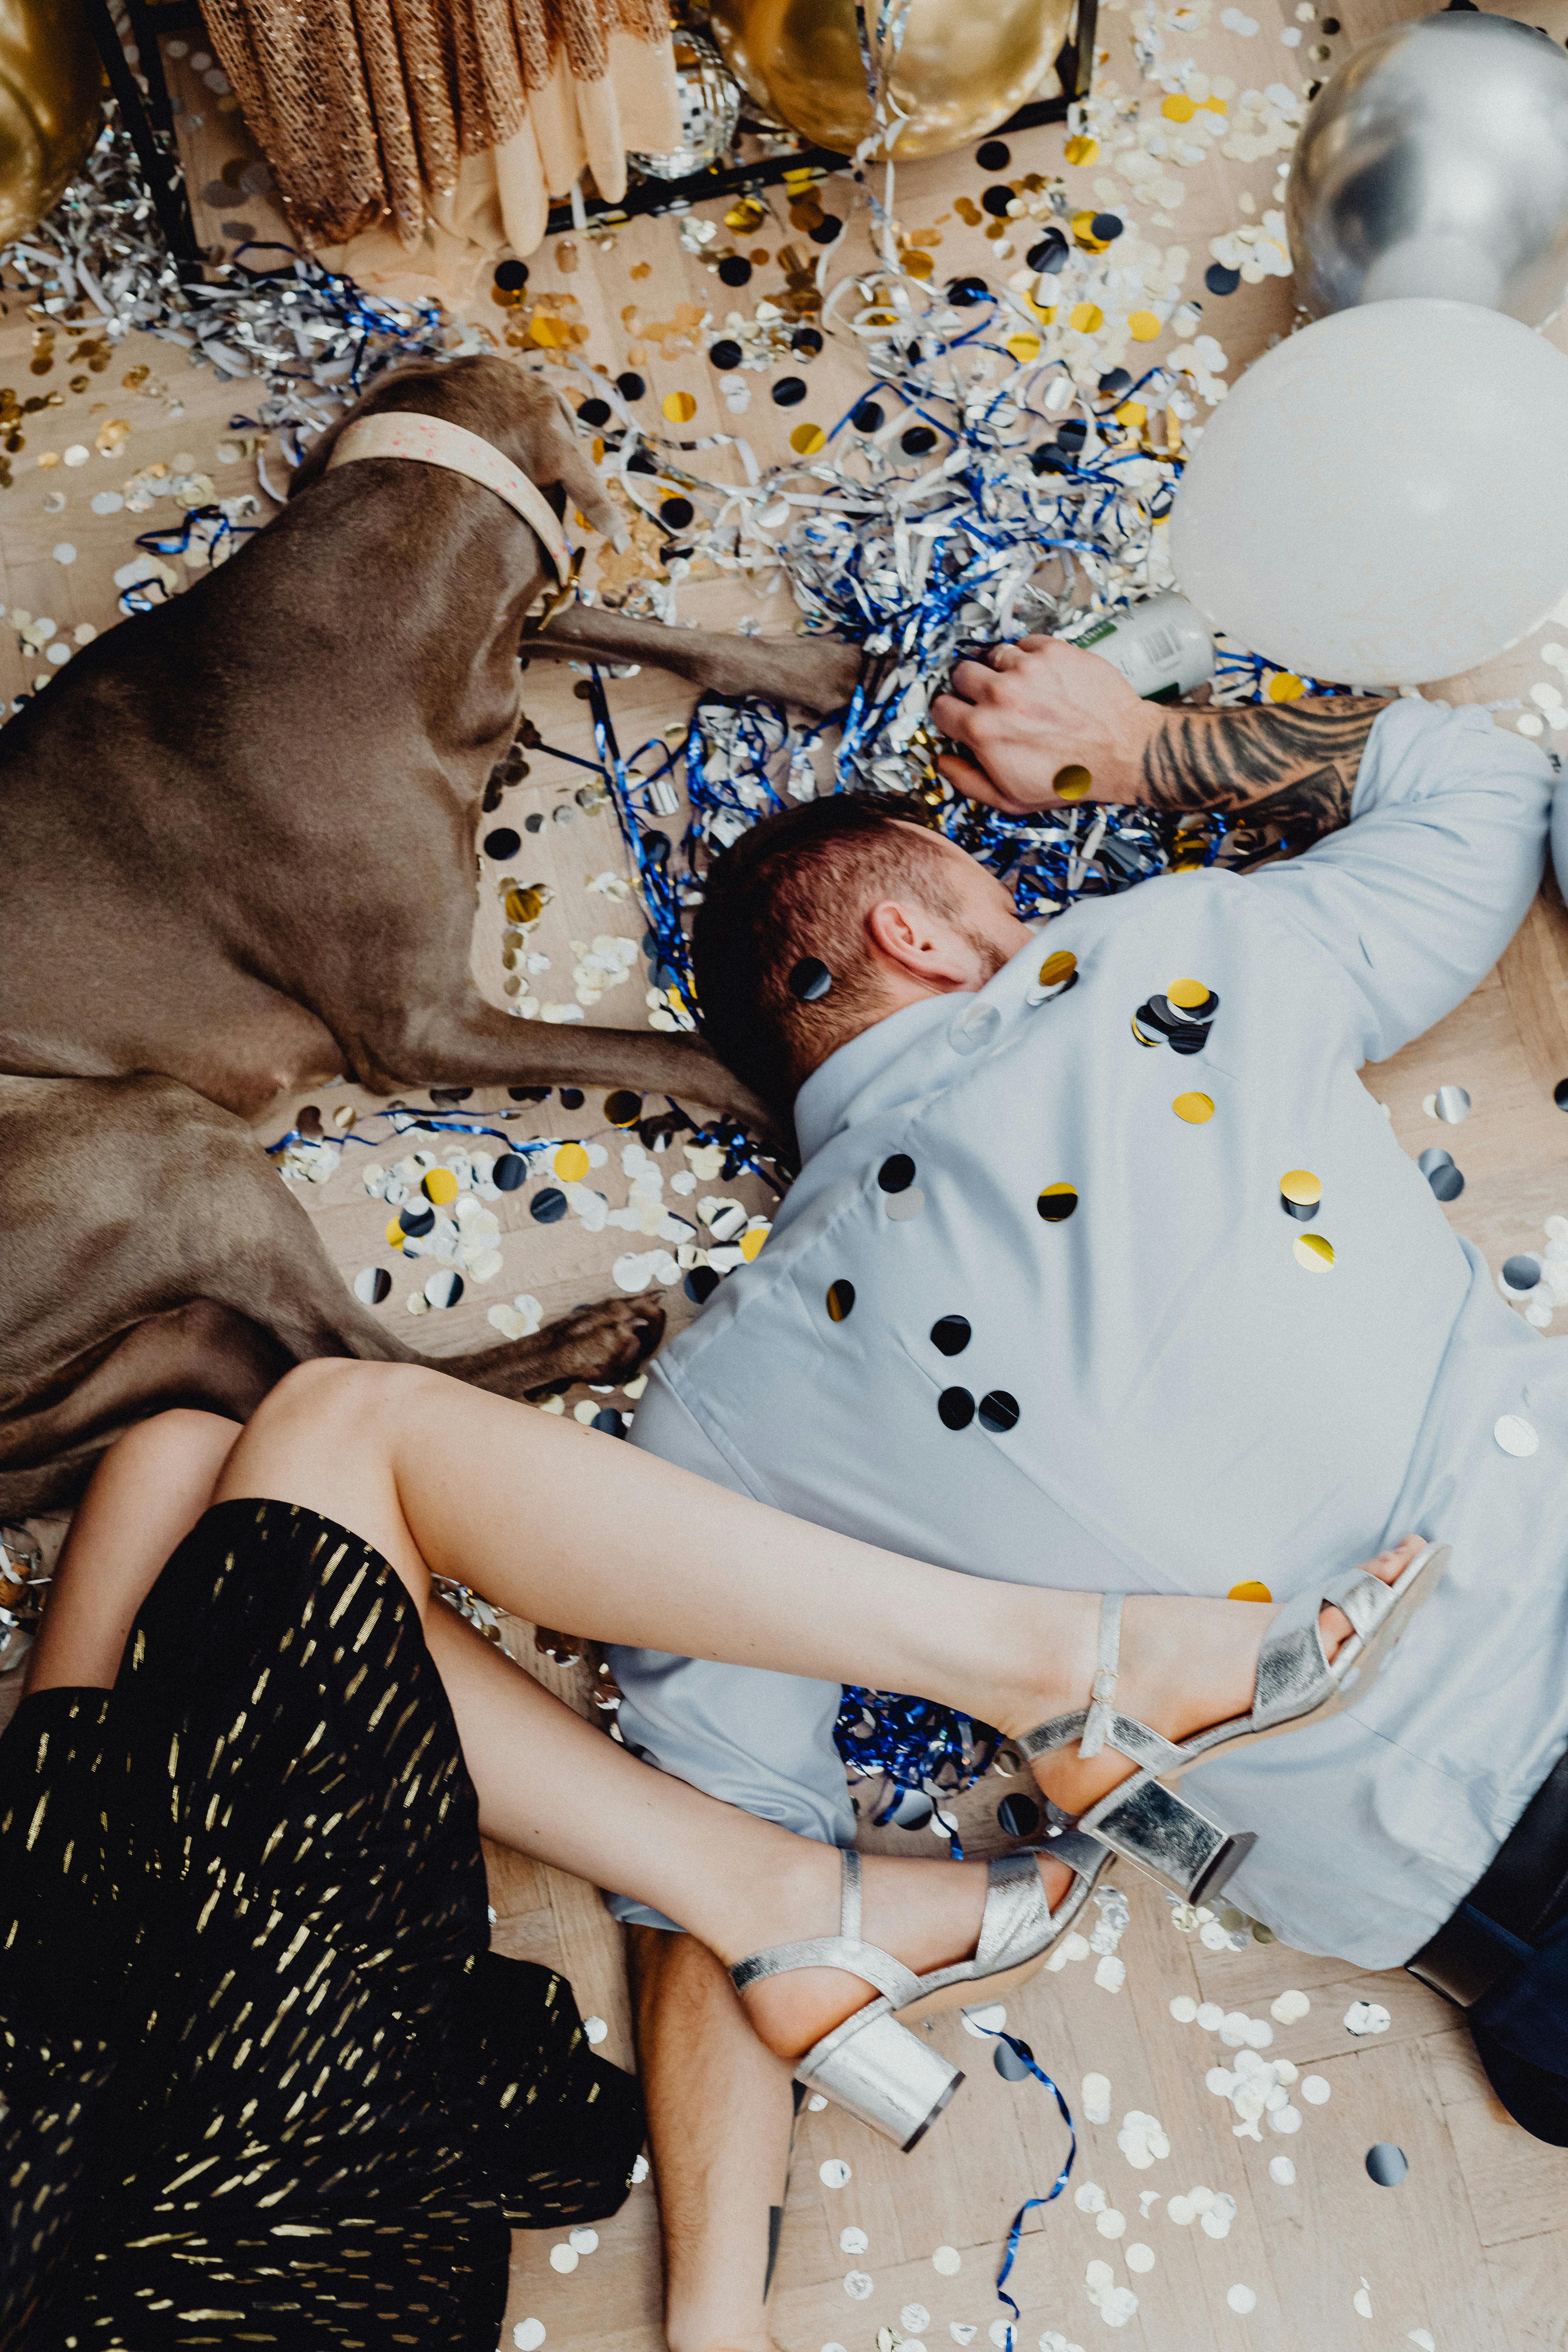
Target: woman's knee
[[183, 1446], [340, 1399]]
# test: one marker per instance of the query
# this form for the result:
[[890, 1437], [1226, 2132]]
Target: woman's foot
[[926, 1913], [1186, 1664]]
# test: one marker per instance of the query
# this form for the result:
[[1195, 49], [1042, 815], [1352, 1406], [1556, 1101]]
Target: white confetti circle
[[528, 2335], [1138, 2256], [63, 552], [595, 2029], [1184, 2009], [816, 2103], [584, 2240], [947, 2261], [1515, 1435], [1282, 2171], [834, 2173], [564, 2258], [1290, 2007], [1241, 2299], [914, 2319], [853, 2242], [985, 2019], [858, 2286], [1110, 2224], [1314, 2090]]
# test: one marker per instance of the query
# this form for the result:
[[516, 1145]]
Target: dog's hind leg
[[154, 1257]]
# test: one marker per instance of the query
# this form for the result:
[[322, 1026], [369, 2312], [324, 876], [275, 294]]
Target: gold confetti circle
[[918, 264], [1132, 415], [440, 1185], [1285, 686], [679, 407], [806, 439], [1057, 1203], [1083, 231], [1314, 1253], [751, 1243], [1196, 1110], [570, 1163], [1081, 150], [745, 215], [1023, 347], [1300, 1184], [1044, 312], [1178, 109], [1071, 783], [1086, 319], [1057, 967], [1188, 993], [524, 906], [1249, 1590], [395, 1236], [1143, 326], [1142, 1036]]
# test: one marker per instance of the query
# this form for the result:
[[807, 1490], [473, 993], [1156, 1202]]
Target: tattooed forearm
[[1289, 766]]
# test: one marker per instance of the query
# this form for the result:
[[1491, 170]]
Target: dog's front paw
[[605, 1342]]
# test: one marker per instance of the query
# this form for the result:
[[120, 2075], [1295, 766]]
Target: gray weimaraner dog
[[237, 842]]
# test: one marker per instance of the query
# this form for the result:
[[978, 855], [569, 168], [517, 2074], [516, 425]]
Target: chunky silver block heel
[[872, 2064], [1145, 1819], [875, 2068]]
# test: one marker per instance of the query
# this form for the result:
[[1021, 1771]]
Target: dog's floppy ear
[[562, 461]]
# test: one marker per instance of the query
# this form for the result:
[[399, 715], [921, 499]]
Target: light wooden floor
[[1473, 2247]]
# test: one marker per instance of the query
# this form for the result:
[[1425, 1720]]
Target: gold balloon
[[51, 81], [962, 66]]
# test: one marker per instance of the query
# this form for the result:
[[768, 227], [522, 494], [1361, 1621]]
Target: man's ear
[[920, 947]]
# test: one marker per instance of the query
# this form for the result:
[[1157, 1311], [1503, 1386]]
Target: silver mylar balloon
[[1436, 162], [709, 99]]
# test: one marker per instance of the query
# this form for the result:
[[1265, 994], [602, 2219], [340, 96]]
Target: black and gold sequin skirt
[[263, 2081]]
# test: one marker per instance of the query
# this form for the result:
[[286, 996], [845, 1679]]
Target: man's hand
[[1036, 711], [1038, 715]]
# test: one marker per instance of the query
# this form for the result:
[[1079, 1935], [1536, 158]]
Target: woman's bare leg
[[146, 1496], [554, 1522]]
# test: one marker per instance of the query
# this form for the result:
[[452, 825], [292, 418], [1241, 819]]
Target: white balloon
[[1383, 498]]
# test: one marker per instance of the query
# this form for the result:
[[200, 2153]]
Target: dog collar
[[404, 433]]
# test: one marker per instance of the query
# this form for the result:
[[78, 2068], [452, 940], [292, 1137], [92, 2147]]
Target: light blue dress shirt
[[1196, 1406]]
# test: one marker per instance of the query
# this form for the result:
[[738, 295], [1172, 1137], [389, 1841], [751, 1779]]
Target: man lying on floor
[[1103, 1270]]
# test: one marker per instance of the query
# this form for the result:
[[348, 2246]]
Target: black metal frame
[[150, 121], [1075, 69]]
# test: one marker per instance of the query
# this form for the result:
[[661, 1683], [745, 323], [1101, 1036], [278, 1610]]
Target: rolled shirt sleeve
[[1417, 897]]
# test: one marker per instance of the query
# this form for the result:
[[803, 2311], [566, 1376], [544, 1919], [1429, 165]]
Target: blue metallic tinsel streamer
[[1022, 2050]]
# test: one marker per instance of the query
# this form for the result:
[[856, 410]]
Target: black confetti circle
[[675, 513], [950, 1334], [956, 1407], [1019, 1815], [898, 1173], [735, 269], [840, 1300], [571, 1098], [630, 385], [725, 354], [1221, 280], [417, 1222], [595, 413], [502, 843], [867, 417], [994, 155], [810, 980], [548, 1208], [999, 1412], [621, 1106], [511, 276], [917, 440], [789, 391], [995, 202], [510, 1172], [1057, 1203], [372, 1285], [701, 1284]]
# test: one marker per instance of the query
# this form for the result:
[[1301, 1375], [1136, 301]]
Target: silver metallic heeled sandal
[[1144, 1820], [872, 2064]]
